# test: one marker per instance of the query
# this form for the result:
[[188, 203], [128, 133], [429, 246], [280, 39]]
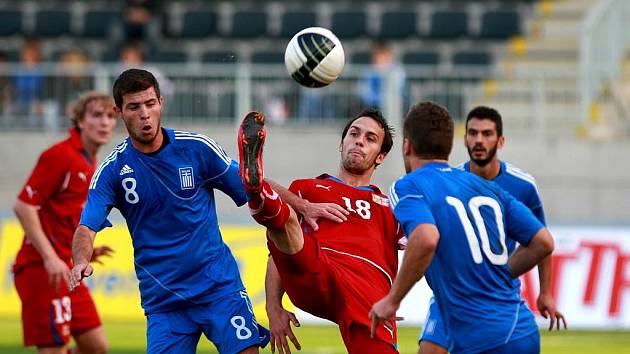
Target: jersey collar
[[371, 187]]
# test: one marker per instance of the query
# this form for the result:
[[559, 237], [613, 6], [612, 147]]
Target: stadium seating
[[249, 24], [349, 24], [292, 22], [398, 25], [219, 57], [97, 24], [52, 23], [199, 24], [268, 57], [448, 25], [10, 22], [500, 24], [423, 57]]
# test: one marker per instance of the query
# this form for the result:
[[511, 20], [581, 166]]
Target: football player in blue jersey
[[483, 138], [163, 183], [457, 225]]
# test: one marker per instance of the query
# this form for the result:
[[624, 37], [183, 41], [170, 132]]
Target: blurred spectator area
[[431, 36]]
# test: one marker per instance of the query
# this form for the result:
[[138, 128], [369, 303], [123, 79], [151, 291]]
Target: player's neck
[[153, 146], [355, 180], [489, 171], [416, 162], [90, 147]]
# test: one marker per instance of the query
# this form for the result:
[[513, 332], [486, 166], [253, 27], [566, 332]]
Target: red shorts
[[49, 317], [333, 286]]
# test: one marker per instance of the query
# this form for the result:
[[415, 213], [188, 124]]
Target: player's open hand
[[383, 311], [331, 211], [99, 252], [57, 271], [280, 327], [80, 271], [547, 308]]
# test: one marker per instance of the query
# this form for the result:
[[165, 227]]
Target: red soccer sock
[[267, 208]]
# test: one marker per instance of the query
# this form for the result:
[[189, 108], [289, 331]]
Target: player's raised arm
[[279, 318], [82, 248], [311, 212]]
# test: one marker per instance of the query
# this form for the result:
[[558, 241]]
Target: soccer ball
[[314, 57]]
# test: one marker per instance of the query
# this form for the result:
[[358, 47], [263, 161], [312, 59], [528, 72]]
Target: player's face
[[482, 141], [360, 149], [141, 111], [98, 123]]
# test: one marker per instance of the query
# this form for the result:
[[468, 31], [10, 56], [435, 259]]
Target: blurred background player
[[49, 208], [373, 86], [336, 270], [483, 138], [467, 267], [163, 183]]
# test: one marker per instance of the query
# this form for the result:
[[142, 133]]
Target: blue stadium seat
[[448, 24], [199, 24], [349, 24], [219, 57], [10, 22], [293, 22], [423, 57], [453, 102], [99, 23], [398, 25], [52, 23], [168, 56], [472, 57], [249, 24], [500, 24], [268, 57]]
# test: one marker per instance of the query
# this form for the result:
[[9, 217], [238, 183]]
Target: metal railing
[[604, 41], [38, 99]]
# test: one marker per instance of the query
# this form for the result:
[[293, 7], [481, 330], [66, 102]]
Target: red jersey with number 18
[[371, 234]]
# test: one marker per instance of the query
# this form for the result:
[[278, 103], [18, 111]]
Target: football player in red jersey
[[49, 207], [333, 270]]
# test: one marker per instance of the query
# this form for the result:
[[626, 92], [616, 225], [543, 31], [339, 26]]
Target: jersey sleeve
[[101, 199], [520, 222], [535, 205], [409, 205], [46, 179], [223, 173]]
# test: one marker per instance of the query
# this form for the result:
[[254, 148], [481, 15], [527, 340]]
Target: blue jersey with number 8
[[469, 275], [167, 199]]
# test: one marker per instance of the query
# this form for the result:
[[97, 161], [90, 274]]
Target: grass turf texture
[[129, 338]]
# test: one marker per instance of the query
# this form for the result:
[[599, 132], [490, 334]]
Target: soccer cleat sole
[[252, 135]]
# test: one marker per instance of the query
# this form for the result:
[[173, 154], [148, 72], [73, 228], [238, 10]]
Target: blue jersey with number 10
[[469, 275], [167, 199]]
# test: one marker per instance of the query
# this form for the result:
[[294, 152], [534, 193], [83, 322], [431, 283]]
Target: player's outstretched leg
[[265, 205]]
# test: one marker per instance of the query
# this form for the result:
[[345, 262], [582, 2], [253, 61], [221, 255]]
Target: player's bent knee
[[251, 350], [92, 342]]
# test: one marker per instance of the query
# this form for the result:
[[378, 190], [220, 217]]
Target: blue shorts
[[434, 330], [229, 323], [526, 345]]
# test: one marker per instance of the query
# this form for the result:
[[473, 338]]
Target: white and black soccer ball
[[314, 57]]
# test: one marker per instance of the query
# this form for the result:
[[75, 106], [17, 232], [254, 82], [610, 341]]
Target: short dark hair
[[134, 80], [484, 112], [388, 139], [430, 129]]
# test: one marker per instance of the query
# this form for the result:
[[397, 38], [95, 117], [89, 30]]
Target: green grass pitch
[[129, 338]]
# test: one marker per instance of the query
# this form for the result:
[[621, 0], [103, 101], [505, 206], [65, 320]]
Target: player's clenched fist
[[80, 271]]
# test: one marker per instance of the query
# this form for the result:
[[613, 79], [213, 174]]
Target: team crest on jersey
[[186, 178], [380, 200]]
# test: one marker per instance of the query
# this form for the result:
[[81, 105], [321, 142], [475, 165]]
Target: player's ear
[[380, 158], [501, 142], [117, 110], [340, 145], [407, 147]]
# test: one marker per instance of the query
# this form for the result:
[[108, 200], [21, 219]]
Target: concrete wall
[[580, 182]]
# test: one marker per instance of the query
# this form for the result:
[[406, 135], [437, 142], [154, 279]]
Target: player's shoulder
[[518, 176], [58, 149], [192, 140], [111, 161]]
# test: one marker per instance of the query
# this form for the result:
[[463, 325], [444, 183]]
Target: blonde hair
[[80, 106]]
